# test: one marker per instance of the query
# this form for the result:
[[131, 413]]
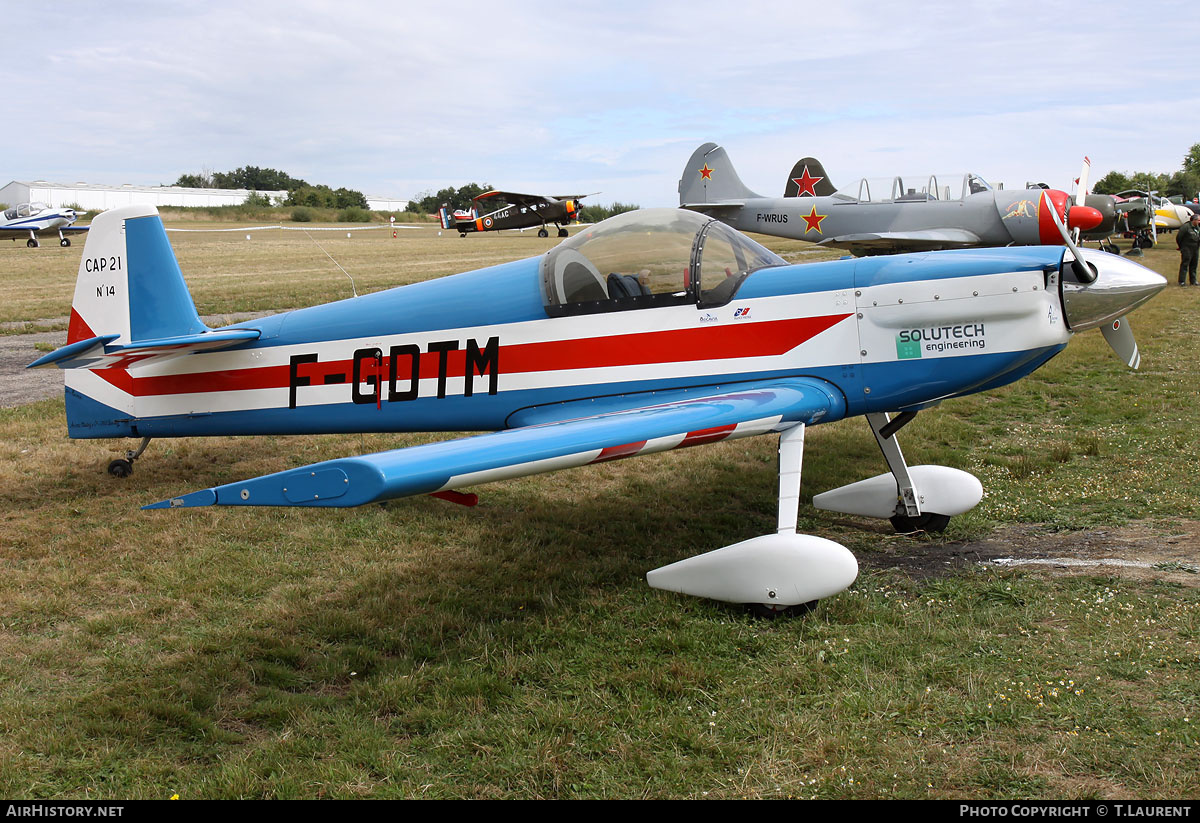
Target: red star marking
[[706, 172], [806, 182], [813, 220]]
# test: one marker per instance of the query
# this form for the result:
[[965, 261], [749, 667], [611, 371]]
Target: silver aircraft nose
[[1121, 285]]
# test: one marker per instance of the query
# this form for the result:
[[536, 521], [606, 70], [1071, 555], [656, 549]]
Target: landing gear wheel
[[31, 243], [64, 242], [120, 468], [772, 611], [562, 232], [462, 234], [543, 233], [928, 522], [1143, 241]]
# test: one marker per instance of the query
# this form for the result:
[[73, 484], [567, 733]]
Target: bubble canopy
[[647, 258]]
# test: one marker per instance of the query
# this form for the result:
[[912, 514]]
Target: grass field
[[421, 649]]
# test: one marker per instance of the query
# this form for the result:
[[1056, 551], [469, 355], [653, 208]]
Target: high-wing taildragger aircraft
[[649, 331], [32, 219], [520, 212], [896, 215]]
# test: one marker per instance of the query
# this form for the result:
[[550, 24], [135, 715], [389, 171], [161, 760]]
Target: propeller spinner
[[1101, 290]]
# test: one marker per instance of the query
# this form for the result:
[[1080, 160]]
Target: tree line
[[1184, 182], [300, 192]]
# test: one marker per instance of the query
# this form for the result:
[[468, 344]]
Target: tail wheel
[[120, 468]]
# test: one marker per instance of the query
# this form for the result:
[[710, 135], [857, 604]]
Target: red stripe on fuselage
[[730, 341]]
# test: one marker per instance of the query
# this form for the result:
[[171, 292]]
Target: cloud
[[396, 99]]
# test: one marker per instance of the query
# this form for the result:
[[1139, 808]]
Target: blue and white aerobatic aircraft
[[36, 218], [652, 330]]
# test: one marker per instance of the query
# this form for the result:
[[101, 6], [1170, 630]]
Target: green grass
[[421, 649]]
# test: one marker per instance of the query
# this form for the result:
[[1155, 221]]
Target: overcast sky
[[400, 98]]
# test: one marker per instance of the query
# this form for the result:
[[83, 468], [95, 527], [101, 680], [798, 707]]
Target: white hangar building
[[96, 197]]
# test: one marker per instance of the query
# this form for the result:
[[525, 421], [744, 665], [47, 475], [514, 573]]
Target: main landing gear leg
[[908, 516], [775, 574], [791, 462], [32, 242], [124, 468]]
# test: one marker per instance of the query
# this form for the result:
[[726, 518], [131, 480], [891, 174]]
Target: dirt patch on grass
[[1138, 551]]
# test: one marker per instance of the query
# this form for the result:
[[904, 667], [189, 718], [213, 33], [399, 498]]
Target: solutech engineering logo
[[912, 343]]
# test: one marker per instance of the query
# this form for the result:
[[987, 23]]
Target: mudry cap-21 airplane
[[649, 331], [33, 219], [903, 215], [520, 212]]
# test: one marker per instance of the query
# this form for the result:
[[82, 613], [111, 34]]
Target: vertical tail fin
[[129, 282], [130, 287], [808, 178], [709, 177], [444, 217]]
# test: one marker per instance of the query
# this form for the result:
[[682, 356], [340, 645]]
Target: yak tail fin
[[709, 177]]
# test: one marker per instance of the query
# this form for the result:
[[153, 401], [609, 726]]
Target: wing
[[715, 209], [891, 241], [513, 198], [725, 413]]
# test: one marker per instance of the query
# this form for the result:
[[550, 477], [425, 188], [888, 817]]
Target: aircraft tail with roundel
[[709, 179], [131, 306], [808, 179]]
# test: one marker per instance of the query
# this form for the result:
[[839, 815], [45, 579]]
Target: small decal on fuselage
[[912, 343]]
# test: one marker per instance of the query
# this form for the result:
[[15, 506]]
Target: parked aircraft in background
[[32, 219], [649, 331], [1168, 216], [519, 212], [901, 214]]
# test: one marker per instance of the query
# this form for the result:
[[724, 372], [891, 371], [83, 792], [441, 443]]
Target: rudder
[[808, 178]]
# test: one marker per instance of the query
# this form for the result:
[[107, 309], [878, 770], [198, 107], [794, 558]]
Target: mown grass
[[420, 649]]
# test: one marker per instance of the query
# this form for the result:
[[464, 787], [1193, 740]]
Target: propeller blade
[[1081, 188], [1083, 272], [1120, 336]]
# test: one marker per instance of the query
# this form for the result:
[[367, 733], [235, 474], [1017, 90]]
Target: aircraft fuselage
[[477, 351]]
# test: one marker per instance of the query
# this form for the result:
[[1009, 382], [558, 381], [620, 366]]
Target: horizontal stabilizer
[[733, 412], [95, 353], [77, 355]]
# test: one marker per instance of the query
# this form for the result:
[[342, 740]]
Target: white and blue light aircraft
[[33, 219], [653, 330]]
